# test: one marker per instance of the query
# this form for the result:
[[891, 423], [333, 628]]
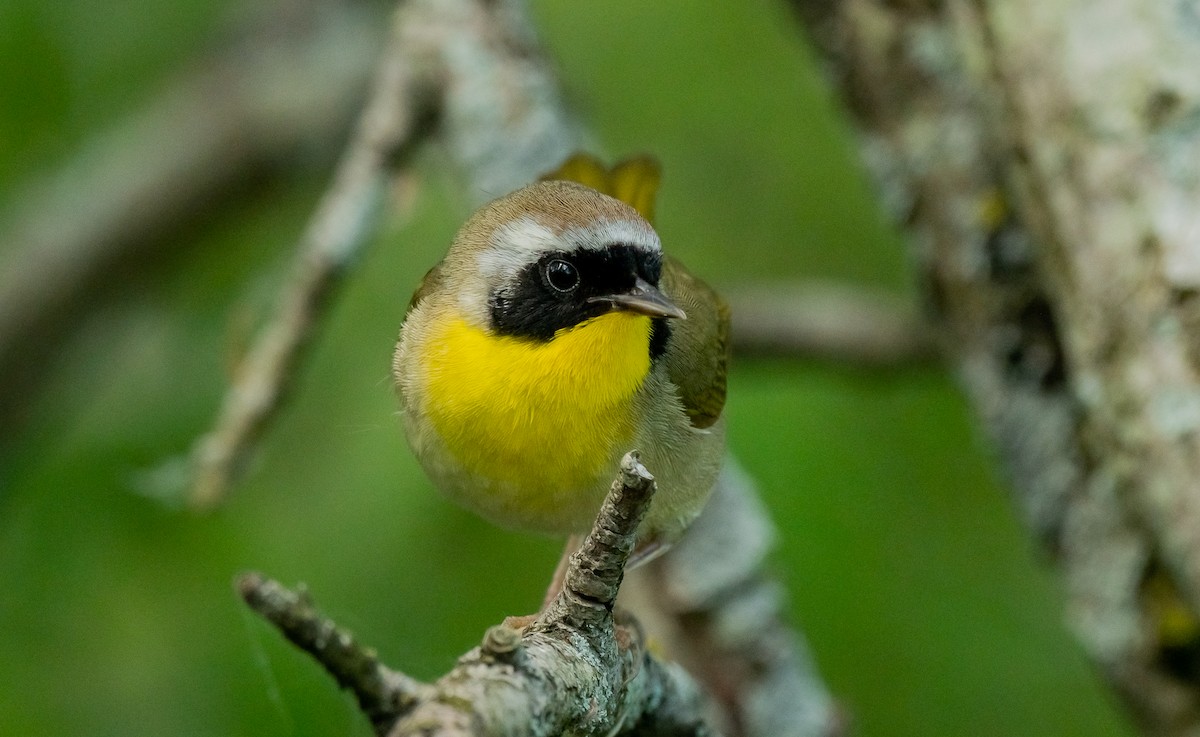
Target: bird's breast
[[546, 417]]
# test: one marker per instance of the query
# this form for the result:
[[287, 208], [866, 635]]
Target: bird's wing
[[697, 355]]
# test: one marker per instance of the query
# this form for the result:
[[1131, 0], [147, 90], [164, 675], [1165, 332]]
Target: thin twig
[[342, 223], [382, 693], [597, 568]]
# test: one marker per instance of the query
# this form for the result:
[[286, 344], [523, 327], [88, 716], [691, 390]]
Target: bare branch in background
[[830, 322], [711, 604], [573, 670], [288, 85], [1045, 161], [345, 218]]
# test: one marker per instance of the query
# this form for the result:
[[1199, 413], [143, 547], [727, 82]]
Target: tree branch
[[831, 322], [1043, 158], [382, 693], [574, 670]]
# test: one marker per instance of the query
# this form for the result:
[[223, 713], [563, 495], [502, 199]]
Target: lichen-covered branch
[[574, 670], [1045, 161], [708, 604]]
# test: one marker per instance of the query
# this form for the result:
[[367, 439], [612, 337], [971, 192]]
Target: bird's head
[[553, 255]]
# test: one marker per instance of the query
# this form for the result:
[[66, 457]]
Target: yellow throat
[[547, 416]]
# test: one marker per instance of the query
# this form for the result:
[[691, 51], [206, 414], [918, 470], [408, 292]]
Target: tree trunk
[[1043, 158]]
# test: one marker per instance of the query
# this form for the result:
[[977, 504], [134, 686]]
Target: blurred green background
[[925, 604]]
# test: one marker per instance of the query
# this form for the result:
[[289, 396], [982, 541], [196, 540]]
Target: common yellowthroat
[[554, 337]]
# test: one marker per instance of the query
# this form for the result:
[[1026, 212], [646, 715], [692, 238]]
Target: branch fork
[[573, 670]]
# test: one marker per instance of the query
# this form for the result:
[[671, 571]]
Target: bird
[[553, 337]]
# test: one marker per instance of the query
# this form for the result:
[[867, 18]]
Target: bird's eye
[[562, 275]]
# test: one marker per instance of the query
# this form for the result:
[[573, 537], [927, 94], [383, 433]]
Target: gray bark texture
[[1044, 161]]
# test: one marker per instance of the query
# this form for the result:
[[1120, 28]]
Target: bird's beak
[[644, 299]]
